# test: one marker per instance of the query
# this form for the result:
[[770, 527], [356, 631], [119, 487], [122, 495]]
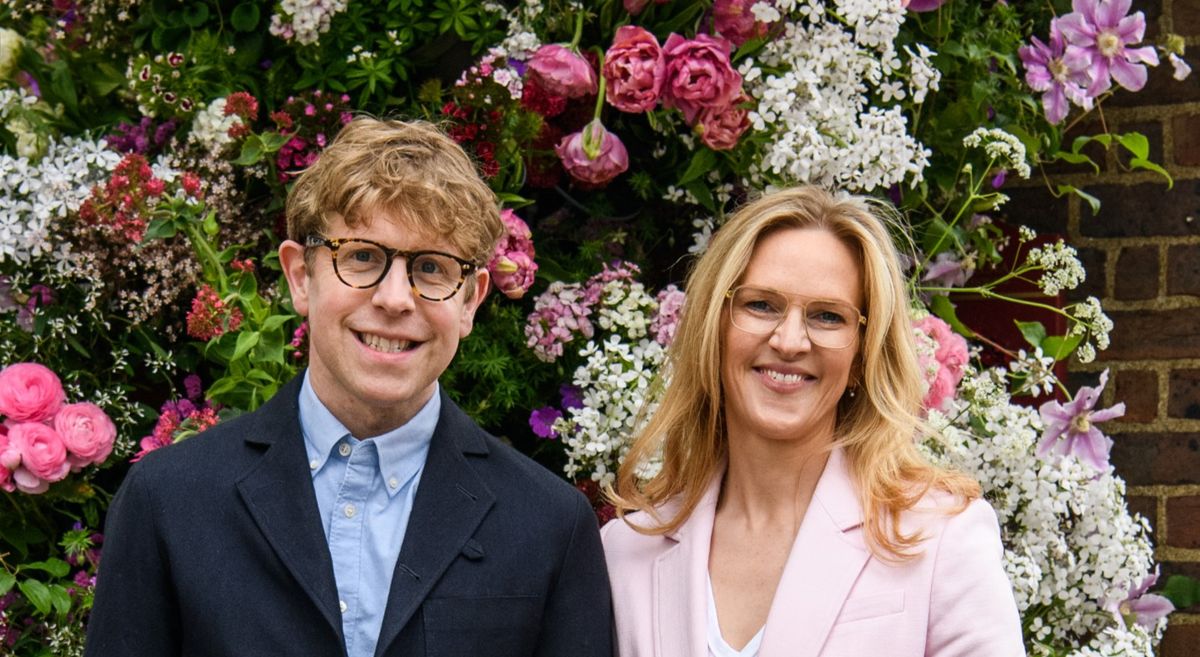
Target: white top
[[716, 643]]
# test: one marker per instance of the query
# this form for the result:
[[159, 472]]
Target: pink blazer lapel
[[680, 590], [825, 561]]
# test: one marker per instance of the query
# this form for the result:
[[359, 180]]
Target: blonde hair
[[410, 170], [876, 427]]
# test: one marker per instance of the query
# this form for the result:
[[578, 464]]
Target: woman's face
[[778, 385]]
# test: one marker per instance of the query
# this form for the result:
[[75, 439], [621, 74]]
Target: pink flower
[[721, 127], [1059, 71], [735, 22], [947, 270], [1140, 607], [1102, 30], [6, 483], [87, 432], [699, 75], [43, 453], [666, 320], [635, 7], [30, 392], [923, 5], [593, 155], [943, 366], [635, 69], [512, 266], [1071, 427], [562, 71]]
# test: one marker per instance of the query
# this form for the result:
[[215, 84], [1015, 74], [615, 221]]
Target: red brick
[[1186, 18], [1146, 459], [1094, 262], [1186, 129], [1144, 210], [1139, 390], [1145, 506], [1093, 150], [1183, 521], [1183, 398], [1154, 335], [1183, 269], [1161, 87], [1137, 273], [1037, 208], [1180, 641]]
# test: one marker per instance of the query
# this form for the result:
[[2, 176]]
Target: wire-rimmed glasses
[[830, 324]]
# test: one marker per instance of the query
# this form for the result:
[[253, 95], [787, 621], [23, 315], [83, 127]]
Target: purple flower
[[193, 386], [998, 180], [1101, 29], [572, 398], [1060, 72], [1071, 428], [542, 421], [923, 5], [1140, 607], [947, 270]]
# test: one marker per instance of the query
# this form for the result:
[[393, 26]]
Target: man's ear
[[291, 258], [481, 282]]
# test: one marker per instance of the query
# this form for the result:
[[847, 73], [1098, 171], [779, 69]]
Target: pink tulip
[[721, 127], [699, 75], [563, 72], [512, 266], [635, 7], [30, 392], [735, 22], [593, 155], [634, 69], [87, 432]]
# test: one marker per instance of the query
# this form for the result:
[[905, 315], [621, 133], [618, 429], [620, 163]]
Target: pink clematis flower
[[1058, 71], [923, 5], [1102, 29], [1140, 607], [1071, 428], [593, 155]]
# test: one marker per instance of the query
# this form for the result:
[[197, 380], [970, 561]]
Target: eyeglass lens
[[362, 264], [830, 324]]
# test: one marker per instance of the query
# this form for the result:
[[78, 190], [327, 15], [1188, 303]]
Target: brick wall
[[1142, 254]]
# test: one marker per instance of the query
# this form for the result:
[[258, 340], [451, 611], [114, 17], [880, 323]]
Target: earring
[[851, 391]]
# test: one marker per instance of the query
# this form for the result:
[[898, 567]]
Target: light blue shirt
[[365, 491]]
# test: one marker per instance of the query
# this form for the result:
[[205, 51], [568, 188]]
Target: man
[[360, 512]]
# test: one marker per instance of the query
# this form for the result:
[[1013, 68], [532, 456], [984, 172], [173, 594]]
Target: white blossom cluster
[[304, 21], [521, 40], [615, 382], [1093, 324], [33, 194], [1036, 370], [625, 307], [1062, 269], [14, 107], [210, 127], [1007, 150], [1071, 544], [813, 86]]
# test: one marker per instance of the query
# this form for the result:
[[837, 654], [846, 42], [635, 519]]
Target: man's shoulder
[[514, 473]]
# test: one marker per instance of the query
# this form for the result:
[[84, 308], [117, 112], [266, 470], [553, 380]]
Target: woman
[[792, 515]]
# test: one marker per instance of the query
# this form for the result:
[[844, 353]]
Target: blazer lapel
[[279, 496], [450, 504], [680, 586], [824, 563]]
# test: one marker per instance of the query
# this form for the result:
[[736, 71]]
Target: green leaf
[[245, 342], [275, 321], [210, 223], [37, 594], [1091, 200], [221, 387], [162, 228], [702, 162], [1060, 347], [195, 14], [55, 567], [703, 194], [247, 287], [1136, 143], [1076, 158], [1181, 590], [60, 599], [252, 151], [7, 581], [1139, 163], [941, 306], [245, 17], [273, 141], [1033, 332]]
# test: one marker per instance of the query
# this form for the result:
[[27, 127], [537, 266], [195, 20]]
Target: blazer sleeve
[[972, 612], [134, 611], [578, 616]]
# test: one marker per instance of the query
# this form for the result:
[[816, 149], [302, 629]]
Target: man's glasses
[[360, 263], [830, 324]]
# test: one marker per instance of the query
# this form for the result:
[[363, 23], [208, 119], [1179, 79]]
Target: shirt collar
[[402, 450]]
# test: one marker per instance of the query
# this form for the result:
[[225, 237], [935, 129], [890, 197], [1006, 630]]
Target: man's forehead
[[392, 225]]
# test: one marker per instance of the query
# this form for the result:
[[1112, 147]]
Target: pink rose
[[721, 127], [699, 74], [593, 155], [30, 393], [512, 266], [634, 68], [562, 71], [43, 453], [734, 21], [635, 7], [945, 370], [6, 483], [87, 432]]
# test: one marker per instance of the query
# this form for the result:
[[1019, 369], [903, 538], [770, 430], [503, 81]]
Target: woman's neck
[[771, 482]]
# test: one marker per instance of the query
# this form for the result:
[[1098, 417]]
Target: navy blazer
[[213, 547]]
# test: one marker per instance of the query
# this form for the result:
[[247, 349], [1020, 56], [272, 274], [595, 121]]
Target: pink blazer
[[834, 599]]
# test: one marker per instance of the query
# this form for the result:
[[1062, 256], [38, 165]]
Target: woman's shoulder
[[939, 513]]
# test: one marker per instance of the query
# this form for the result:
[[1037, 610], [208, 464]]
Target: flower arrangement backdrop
[[148, 145]]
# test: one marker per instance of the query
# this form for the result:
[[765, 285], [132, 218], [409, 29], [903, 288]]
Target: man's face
[[375, 353]]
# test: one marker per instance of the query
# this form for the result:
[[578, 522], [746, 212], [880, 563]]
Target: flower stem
[[578, 30]]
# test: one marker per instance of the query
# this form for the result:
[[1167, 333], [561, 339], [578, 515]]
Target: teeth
[[784, 378], [385, 345]]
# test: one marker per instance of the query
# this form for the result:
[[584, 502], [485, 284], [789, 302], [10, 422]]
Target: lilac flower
[[1060, 72], [1140, 607], [1102, 30], [541, 420], [572, 397], [1070, 428]]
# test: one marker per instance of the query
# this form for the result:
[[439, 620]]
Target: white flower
[[210, 126], [1061, 267], [1182, 69], [1007, 150], [304, 21]]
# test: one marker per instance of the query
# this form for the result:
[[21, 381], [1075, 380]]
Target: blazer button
[[342, 605]]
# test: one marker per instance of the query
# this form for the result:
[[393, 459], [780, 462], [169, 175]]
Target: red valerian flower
[[210, 316]]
